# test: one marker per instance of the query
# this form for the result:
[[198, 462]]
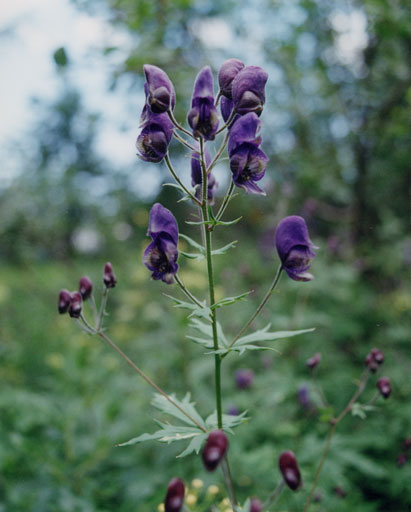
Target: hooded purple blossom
[[161, 255], [228, 71], [247, 161], [203, 116], [175, 496], [155, 136], [197, 176], [159, 90], [295, 247], [289, 468], [248, 90]]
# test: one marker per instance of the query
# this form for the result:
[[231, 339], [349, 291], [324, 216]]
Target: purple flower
[[247, 161], [197, 176], [233, 411], [85, 287], [109, 278], [161, 255], [175, 496], [313, 361], [304, 396], [256, 505], [248, 90], [226, 108], [75, 305], [289, 468], [214, 449], [64, 301], [160, 92], [374, 359], [244, 378], [294, 247], [155, 136], [384, 386], [228, 71], [203, 116]]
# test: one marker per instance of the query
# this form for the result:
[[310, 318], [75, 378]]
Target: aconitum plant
[[241, 98]]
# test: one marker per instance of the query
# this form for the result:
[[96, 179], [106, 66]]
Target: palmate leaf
[[203, 312], [229, 421], [230, 300], [161, 403], [207, 330], [193, 243], [224, 249]]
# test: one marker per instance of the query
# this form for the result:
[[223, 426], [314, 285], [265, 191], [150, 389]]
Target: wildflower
[[85, 287], [294, 247], [384, 386], [214, 449], [203, 116], [161, 255], [374, 359], [228, 71], [75, 305], [155, 136], [313, 361], [159, 90], [175, 496], [247, 161], [64, 301], [256, 505], [109, 277], [248, 90], [197, 176], [244, 378], [304, 396], [290, 470]]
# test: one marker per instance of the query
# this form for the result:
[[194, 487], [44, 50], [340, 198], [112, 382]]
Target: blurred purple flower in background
[[175, 496], [203, 116], [160, 94], [313, 361], [161, 255], [289, 469], [304, 397], [244, 378]]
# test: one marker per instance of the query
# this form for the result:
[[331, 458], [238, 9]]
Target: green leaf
[[224, 249], [194, 445], [204, 312], [207, 329], [230, 300], [207, 343], [229, 421], [193, 243], [60, 57], [242, 348], [228, 223], [161, 403], [167, 434], [326, 414], [360, 410], [192, 256], [266, 335]]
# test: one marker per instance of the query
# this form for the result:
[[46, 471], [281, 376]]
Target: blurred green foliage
[[336, 127]]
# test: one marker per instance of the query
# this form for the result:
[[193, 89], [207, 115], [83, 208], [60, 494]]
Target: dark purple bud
[[175, 496], [248, 90], [75, 305], [64, 301], [256, 505], [109, 278], [160, 91], [304, 397], [244, 378], [161, 255], [197, 176], [294, 247], [85, 287], [289, 469], [313, 361], [214, 449], [228, 71], [377, 355], [401, 460], [247, 161], [203, 116], [155, 136], [374, 359], [384, 386], [340, 492]]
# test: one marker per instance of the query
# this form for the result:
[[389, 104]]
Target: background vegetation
[[336, 128]]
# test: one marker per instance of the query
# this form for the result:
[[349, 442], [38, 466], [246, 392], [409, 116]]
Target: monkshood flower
[[248, 90], [109, 277], [155, 136], [203, 116], [289, 469], [294, 247], [197, 176], [175, 496], [214, 449], [64, 301], [75, 305], [244, 378], [161, 255], [384, 386], [228, 71], [85, 287], [304, 397], [247, 161], [160, 92]]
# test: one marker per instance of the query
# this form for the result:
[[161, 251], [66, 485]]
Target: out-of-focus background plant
[[73, 195]]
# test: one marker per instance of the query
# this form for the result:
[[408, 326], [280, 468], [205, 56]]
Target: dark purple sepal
[[214, 449], [64, 301], [246, 129], [109, 277], [294, 247], [248, 90], [289, 469], [75, 305], [174, 499], [85, 287], [155, 136], [197, 176], [226, 107], [228, 71], [203, 116], [159, 89], [384, 386]]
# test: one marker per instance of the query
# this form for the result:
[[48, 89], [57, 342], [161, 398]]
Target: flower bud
[[109, 278], [244, 378], [401, 460], [377, 355], [175, 496], [85, 287], [228, 71], [214, 449], [75, 305], [256, 505], [374, 359], [313, 361], [289, 469], [384, 386], [64, 301], [159, 89], [203, 116]]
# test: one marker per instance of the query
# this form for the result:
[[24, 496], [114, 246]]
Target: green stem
[[274, 495], [169, 165], [227, 124], [218, 154], [187, 292], [102, 308], [229, 482], [226, 200], [94, 307], [183, 141], [260, 307], [178, 125]]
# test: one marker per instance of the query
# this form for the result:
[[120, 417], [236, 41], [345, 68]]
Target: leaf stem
[[169, 165], [178, 125], [187, 292], [229, 481], [183, 141], [102, 308], [226, 200], [218, 154], [229, 120], [274, 495]]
